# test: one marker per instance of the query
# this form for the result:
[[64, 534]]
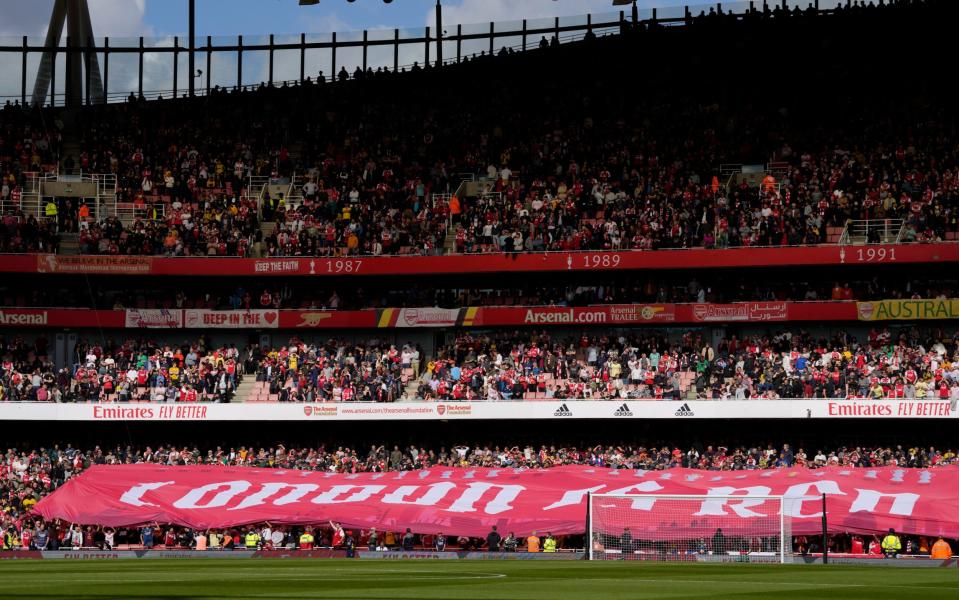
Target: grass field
[[422, 580]]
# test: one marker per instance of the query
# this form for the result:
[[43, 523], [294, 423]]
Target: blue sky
[[128, 18], [123, 18]]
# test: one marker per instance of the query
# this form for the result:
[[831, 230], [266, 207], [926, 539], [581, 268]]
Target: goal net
[[689, 528]]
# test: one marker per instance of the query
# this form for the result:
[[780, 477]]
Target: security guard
[[891, 544], [306, 540], [549, 545], [252, 540], [50, 210]]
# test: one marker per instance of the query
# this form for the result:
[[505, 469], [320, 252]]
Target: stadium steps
[[69, 244], [245, 389], [449, 244], [412, 386], [266, 228]]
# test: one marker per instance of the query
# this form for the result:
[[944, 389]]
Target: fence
[[158, 67]]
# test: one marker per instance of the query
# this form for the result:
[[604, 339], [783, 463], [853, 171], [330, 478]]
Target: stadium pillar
[[23, 74], [459, 42], [192, 47], [73, 84], [46, 72], [396, 50], [86, 70], [140, 69], [239, 62], [636, 14], [106, 68], [439, 33], [94, 89], [209, 57], [176, 64], [302, 57]]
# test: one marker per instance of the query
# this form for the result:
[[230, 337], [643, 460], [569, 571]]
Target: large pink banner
[[469, 501]]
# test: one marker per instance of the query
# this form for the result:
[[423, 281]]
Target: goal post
[[689, 528]]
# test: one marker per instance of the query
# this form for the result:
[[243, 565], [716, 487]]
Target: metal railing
[[137, 66], [872, 231]]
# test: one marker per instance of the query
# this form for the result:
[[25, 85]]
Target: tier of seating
[[585, 170]]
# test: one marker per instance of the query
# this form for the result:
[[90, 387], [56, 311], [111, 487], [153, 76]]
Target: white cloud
[[119, 18], [113, 18]]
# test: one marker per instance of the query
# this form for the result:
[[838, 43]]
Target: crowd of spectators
[[590, 171], [506, 365], [216, 227], [336, 370], [127, 371], [618, 365]]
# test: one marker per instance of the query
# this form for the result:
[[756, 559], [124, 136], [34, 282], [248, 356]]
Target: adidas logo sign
[[684, 411], [563, 411], [623, 411]]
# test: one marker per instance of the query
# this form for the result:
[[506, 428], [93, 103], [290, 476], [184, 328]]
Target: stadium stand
[[499, 366], [515, 153], [592, 172]]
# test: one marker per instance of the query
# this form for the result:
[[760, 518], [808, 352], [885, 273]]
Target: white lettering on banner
[[427, 317], [154, 318], [799, 493], [716, 506], [564, 316], [475, 491], [434, 494], [363, 493], [14, 318], [276, 266], [295, 494], [867, 500], [192, 498], [640, 503], [134, 495], [227, 319], [580, 409], [574, 497]]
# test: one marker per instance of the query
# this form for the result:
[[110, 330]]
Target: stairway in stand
[[69, 244], [246, 389]]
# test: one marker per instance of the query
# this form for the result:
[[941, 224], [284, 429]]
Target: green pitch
[[425, 580]]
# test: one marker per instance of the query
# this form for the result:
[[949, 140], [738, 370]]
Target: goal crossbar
[[689, 527]]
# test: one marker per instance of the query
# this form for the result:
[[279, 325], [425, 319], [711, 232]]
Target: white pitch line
[[319, 576], [771, 583]]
